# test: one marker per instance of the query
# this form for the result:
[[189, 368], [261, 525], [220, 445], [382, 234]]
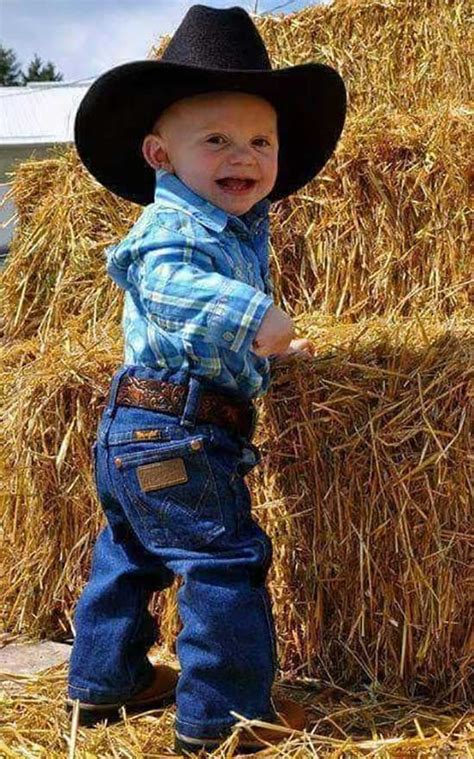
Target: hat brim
[[122, 105]]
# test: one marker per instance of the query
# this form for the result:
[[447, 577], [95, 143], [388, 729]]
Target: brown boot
[[290, 715], [159, 694]]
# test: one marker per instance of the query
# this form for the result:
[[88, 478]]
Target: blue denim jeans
[[176, 503]]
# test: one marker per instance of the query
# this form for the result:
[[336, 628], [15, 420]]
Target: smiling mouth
[[234, 184]]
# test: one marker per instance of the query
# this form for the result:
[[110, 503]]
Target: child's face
[[214, 136]]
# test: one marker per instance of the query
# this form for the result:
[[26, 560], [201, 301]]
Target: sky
[[84, 38]]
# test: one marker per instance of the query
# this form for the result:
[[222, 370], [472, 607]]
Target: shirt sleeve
[[181, 292]]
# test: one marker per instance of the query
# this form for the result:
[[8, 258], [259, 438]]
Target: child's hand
[[301, 345]]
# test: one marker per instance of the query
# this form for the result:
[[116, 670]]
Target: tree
[[39, 72], [10, 74]]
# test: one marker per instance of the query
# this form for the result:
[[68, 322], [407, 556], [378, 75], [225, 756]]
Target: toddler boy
[[210, 124]]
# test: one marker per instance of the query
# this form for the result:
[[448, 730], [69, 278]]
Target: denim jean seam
[[222, 469], [142, 600], [79, 687], [137, 504], [227, 722], [133, 501], [110, 481], [263, 594], [265, 552], [89, 692], [215, 492], [211, 483]]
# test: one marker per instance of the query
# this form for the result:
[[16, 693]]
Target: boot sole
[[91, 714], [192, 746]]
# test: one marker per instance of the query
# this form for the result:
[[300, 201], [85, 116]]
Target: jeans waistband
[[195, 385]]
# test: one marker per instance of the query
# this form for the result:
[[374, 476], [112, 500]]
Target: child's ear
[[155, 154]]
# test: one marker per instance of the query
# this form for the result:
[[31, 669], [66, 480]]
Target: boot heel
[[91, 717], [186, 748]]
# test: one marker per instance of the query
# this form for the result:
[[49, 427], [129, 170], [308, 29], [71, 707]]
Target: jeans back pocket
[[169, 492]]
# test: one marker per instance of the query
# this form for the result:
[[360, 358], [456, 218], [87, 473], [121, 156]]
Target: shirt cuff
[[231, 327]]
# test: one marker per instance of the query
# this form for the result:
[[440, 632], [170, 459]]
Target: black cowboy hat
[[212, 49]]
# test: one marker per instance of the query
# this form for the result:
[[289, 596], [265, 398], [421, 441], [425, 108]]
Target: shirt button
[[228, 336]]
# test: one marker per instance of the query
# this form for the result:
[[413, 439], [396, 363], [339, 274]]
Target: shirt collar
[[172, 192]]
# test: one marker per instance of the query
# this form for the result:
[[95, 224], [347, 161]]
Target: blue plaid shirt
[[197, 287]]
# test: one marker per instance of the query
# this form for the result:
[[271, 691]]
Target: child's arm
[[275, 333], [182, 292]]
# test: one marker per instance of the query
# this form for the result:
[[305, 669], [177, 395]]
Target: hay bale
[[387, 227], [50, 401], [392, 53], [366, 492], [55, 268]]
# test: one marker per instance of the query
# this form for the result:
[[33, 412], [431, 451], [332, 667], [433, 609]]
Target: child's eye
[[218, 139], [214, 138]]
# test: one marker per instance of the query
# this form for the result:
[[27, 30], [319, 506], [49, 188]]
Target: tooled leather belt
[[168, 398]]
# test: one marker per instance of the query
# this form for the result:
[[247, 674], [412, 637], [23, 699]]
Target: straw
[[365, 485]]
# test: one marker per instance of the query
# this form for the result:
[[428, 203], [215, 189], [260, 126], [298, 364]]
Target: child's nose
[[241, 154]]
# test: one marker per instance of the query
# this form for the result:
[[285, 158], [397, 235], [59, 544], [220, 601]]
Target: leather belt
[[215, 408]]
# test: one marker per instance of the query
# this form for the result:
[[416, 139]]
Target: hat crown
[[217, 38]]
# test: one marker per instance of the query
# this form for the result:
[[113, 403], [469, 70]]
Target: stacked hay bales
[[364, 483], [368, 499]]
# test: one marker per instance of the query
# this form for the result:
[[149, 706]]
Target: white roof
[[40, 112]]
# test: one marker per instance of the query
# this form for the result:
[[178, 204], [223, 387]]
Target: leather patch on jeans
[[161, 474], [148, 434]]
